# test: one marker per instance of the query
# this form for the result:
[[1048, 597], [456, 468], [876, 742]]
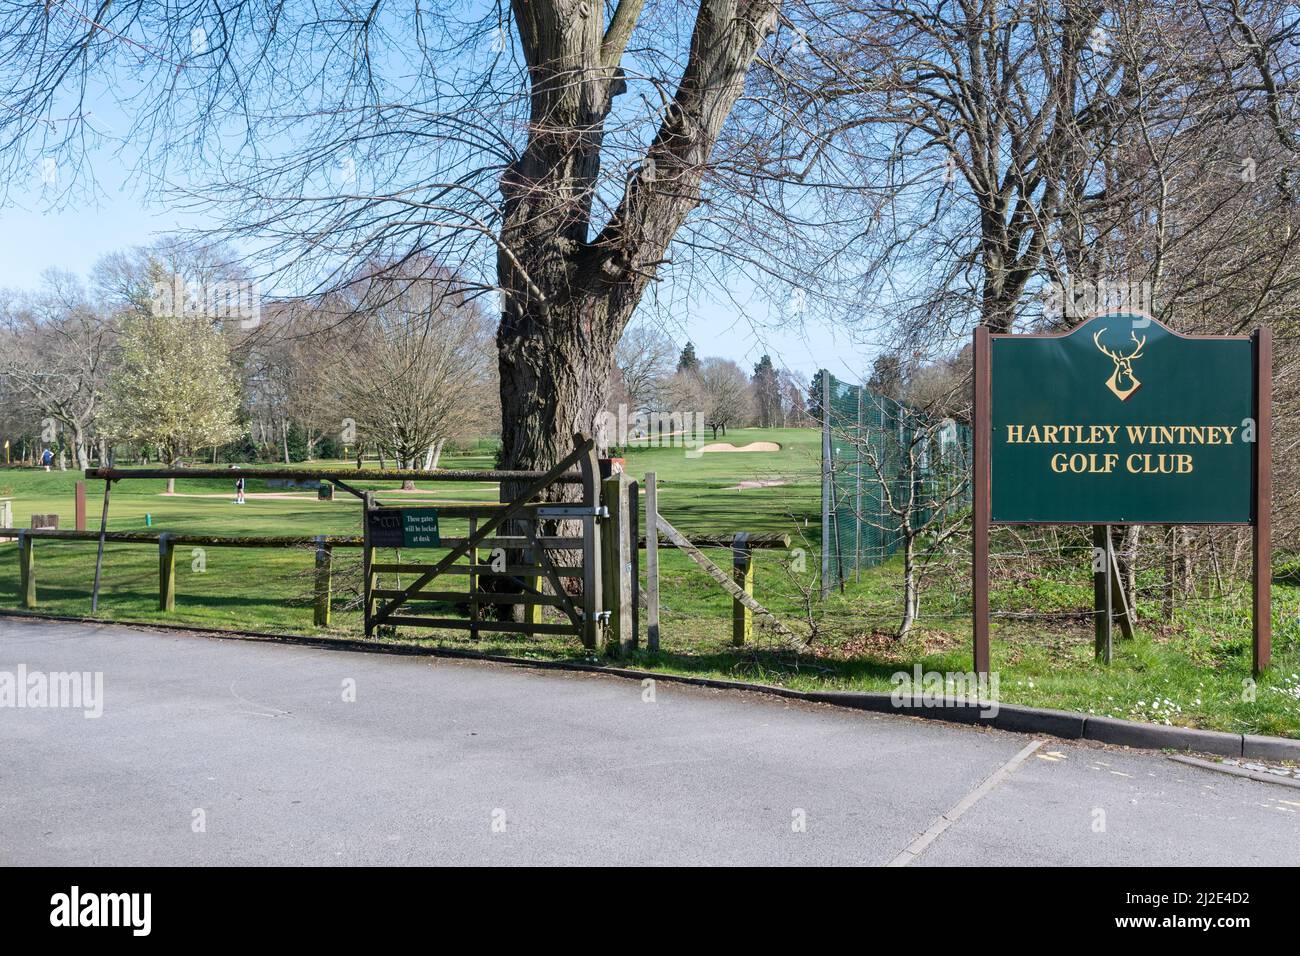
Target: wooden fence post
[[99, 555], [1102, 595], [634, 557], [367, 559], [324, 582], [651, 563], [80, 507], [473, 557], [166, 573], [1261, 540], [533, 612], [742, 572], [828, 486], [591, 550], [981, 517], [27, 568], [616, 559], [608, 560]]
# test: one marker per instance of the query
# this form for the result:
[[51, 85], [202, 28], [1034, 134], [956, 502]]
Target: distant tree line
[[138, 365], [651, 374], [396, 365]]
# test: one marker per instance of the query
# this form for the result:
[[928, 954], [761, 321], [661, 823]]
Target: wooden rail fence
[[615, 530]]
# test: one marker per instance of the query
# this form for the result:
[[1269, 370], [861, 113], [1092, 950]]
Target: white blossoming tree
[[174, 386]]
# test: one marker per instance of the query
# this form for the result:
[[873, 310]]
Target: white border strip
[[917, 846]]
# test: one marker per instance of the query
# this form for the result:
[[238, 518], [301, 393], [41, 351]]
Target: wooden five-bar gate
[[504, 568]]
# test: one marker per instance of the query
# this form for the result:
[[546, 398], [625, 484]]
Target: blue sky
[[73, 237], [734, 322]]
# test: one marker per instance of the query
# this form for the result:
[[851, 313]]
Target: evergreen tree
[[297, 441], [688, 362], [815, 397], [767, 393]]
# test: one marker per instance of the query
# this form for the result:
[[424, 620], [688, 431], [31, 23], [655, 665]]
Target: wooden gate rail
[[468, 597], [333, 474], [263, 541], [211, 540], [167, 541], [482, 570], [763, 540]]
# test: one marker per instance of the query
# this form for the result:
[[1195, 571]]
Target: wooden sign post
[[1122, 421], [1262, 573]]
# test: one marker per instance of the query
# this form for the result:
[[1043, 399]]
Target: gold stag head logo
[[1122, 381]]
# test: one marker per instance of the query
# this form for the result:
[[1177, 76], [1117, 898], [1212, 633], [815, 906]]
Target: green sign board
[[420, 528], [1121, 420], [403, 528]]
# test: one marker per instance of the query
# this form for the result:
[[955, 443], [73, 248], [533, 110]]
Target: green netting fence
[[884, 461]]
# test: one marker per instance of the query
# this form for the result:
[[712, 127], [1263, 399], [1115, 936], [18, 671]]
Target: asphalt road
[[222, 752]]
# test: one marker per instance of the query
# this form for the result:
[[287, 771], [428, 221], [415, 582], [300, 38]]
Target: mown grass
[[1193, 670]]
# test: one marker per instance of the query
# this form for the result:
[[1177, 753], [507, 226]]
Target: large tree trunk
[[567, 295], [553, 383], [552, 387]]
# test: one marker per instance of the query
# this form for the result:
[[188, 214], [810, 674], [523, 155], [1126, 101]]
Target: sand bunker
[[765, 483], [752, 446], [271, 496]]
